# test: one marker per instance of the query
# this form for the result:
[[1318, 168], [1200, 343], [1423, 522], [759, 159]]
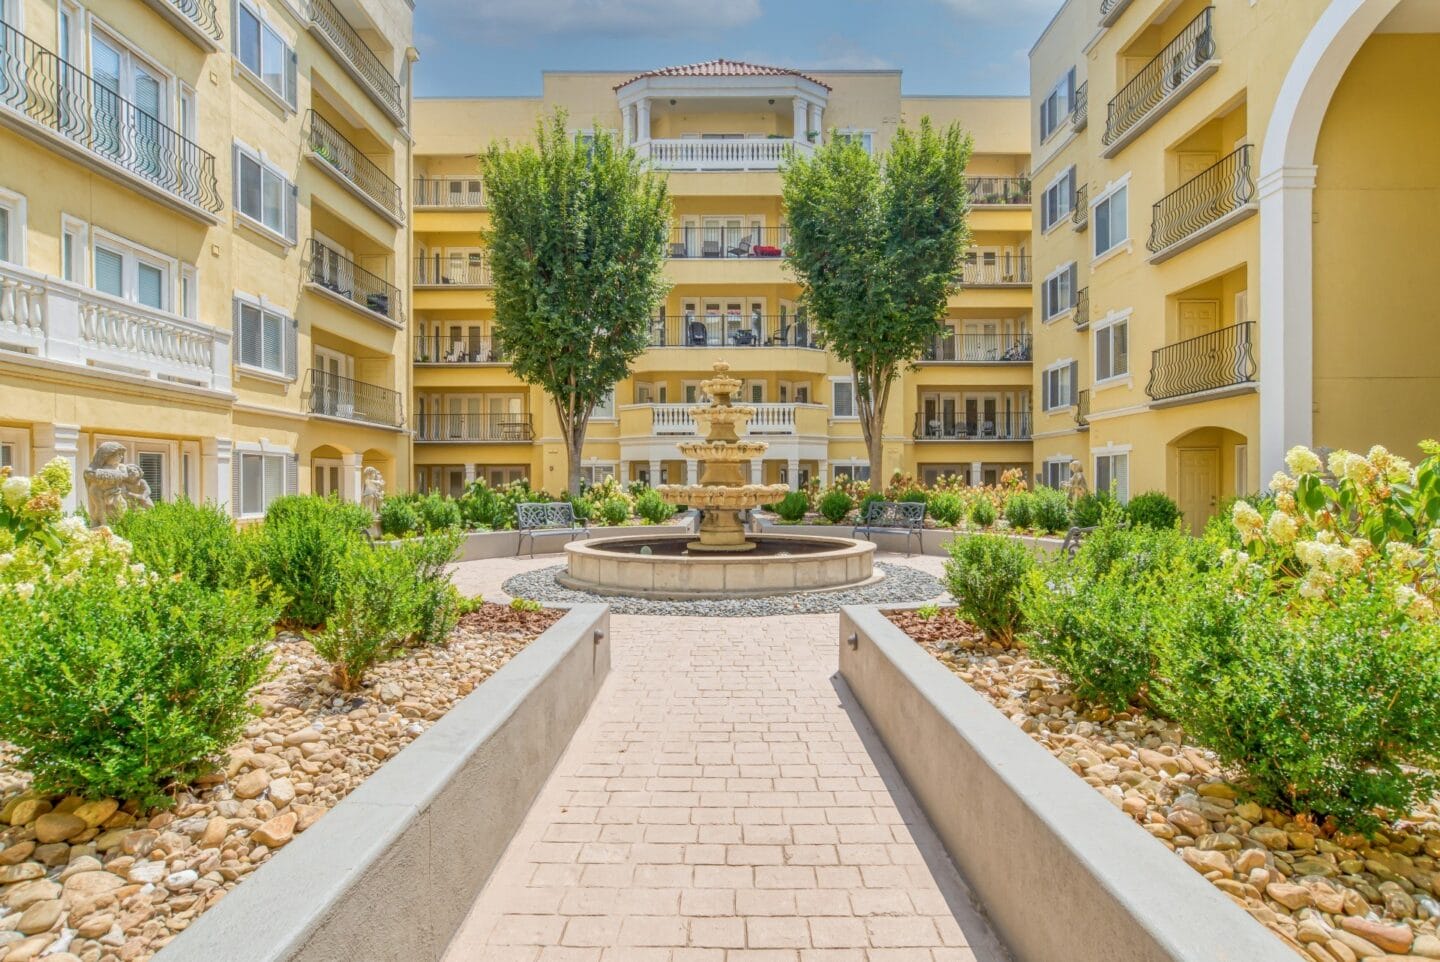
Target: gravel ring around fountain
[[901, 584]]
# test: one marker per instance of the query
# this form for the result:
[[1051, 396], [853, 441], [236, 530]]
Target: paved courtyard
[[724, 801]]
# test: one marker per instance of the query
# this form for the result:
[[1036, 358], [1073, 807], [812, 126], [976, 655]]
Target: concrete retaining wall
[[504, 544], [392, 871], [1062, 874], [933, 540]]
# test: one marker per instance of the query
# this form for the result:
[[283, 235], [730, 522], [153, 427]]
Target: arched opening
[[327, 470], [1205, 466]]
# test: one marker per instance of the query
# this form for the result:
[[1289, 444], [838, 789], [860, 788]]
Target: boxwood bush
[[179, 537], [982, 512], [793, 506], [835, 505], [945, 507], [398, 517], [1051, 510], [984, 574], [652, 508], [298, 551], [1020, 510], [1153, 509], [613, 511]]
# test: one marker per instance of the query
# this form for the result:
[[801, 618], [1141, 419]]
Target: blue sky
[[500, 47]]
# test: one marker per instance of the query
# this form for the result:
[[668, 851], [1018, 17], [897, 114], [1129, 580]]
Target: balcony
[[48, 318], [1176, 70], [465, 349], [1082, 308], [693, 153], [1008, 271], [197, 19], [347, 399], [1217, 364], [978, 349], [727, 243], [1080, 111], [452, 193], [474, 428], [1082, 410], [998, 191], [62, 107], [439, 271], [1110, 11], [1080, 213], [343, 160], [733, 330], [1008, 426], [769, 419], [336, 276], [355, 55], [1206, 204]]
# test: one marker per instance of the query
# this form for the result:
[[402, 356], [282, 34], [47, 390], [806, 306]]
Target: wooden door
[[1199, 485], [1197, 318]]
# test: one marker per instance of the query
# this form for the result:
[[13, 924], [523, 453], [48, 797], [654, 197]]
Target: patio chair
[[743, 338], [678, 249], [710, 248], [780, 337], [741, 249], [699, 337]]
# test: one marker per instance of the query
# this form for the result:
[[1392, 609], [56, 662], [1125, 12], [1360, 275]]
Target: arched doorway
[[327, 470], [1206, 466]]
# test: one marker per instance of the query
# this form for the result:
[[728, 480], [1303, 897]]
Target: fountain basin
[[779, 564]]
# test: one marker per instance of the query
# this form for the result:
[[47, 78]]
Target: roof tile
[[722, 68]]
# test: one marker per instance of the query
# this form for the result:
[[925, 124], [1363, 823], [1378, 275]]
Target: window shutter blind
[[235, 503], [235, 174], [291, 209], [1074, 382], [290, 72], [292, 474], [291, 348], [109, 271], [1074, 278]]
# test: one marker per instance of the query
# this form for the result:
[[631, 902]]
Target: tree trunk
[[871, 410], [573, 428], [875, 448]]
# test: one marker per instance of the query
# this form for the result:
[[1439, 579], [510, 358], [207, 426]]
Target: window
[[1055, 473], [855, 471], [1112, 226], [7, 454], [593, 474], [73, 240], [264, 52], [605, 410], [865, 138], [5, 235], [1112, 474], [189, 293], [1058, 201], [1112, 350], [260, 479], [265, 337], [133, 274], [1059, 385], [843, 400], [152, 469], [264, 194], [1057, 104], [1057, 294], [12, 227]]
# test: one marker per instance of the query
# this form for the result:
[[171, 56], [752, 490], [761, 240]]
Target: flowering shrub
[[38, 544]]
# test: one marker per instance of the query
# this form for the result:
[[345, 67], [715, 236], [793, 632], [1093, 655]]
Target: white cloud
[[512, 19]]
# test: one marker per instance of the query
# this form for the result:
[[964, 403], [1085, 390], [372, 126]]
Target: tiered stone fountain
[[723, 562]]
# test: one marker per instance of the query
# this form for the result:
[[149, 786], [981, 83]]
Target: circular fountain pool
[[664, 567]]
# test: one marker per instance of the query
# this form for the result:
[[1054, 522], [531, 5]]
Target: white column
[[757, 471], [629, 123], [817, 122], [642, 121], [802, 120], [62, 327], [624, 472], [216, 464], [469, 474], [793, 473], [692, 471], [654, 473], [1286, 330], [220, 351], [350, 465], [822, 472], [977, 473], [60, 441]]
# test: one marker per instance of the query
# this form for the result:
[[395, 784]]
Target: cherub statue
[[1076, 487], [372, 489], [111, 486]]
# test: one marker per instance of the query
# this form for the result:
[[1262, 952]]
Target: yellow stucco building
[[719, 130], [1232, 203], [203, 245]]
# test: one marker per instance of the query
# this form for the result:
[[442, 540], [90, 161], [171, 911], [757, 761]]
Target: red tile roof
[[722, 68]]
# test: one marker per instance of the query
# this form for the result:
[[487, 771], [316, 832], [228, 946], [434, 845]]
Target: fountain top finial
[[720, 367]]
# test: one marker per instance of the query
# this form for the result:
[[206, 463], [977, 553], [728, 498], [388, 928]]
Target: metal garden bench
[[893, 517], [546, 517]]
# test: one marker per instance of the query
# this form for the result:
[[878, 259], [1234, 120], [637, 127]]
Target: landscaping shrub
[[1153, 509], [114, 683], [613, 511], [793, 506], [984, 574], [1020, 510], [652, 508], [438, 512], [299, 550], [583, 507], [835, 504], [982, 512], [1088, 509], [1051, 511], [440, 603], [915, 493], [398, 517], [945, 507], [868, 500], [179, 537]]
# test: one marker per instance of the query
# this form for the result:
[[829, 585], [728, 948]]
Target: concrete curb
[[932, 540], [389, 874], [1061, 873], [479, 545]]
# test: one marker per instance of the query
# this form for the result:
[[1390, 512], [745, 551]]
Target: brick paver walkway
[[724, 801]]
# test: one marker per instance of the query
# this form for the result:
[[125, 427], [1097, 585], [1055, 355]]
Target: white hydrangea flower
[[1310, 553], [1314, 584], [1301, 460], [1247, 521], [15, 490], [1339, 461], [1402, 555], [1282, 483], [1341, 560], [1281, 528], [24, 589]]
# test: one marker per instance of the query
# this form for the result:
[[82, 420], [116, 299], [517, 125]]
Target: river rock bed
[[1331, 896], [100, 881]]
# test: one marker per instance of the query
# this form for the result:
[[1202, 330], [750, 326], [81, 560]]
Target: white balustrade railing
[[60, 321], [768, 419], [696, 154]]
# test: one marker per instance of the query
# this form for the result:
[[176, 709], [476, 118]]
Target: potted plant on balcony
[[812, 135]]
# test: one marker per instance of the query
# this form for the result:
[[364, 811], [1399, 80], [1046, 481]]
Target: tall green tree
[[876, 244], [577, 248]]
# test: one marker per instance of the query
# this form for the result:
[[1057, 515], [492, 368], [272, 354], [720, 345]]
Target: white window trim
[[1062, 122], [1064, 460], [1128, 244], [18, 206], [1058, 365], [1062, 269], [264, 305], [1106, 322], [854, 399], [1109, 451], [853, 132], [1054, 182], [169, 97], [70, 224], [259, 226], [133, 253], [614, 414], [19, 438], [242, 69], [263, 447]]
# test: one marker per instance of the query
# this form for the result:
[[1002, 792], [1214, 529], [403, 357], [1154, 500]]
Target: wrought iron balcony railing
[[339, 275], [1222, 189], [1110, 11], [732, 330], [1080, 111], [1210, 362], [1001, 426], [341, 397], [201, 15], [998, 191], [980, 348], [54, 94], [728, 243], [1080, 213], [1082, 409], [461, 428], [1007, 271], [1157, 81], [357, 56], [1082, 308], [353, 167], [437, 270], [449, 192], [461, 349]]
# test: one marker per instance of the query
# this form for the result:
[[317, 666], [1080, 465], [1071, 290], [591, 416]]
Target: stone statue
[[1076, 487], [112, 487], [372, 489]]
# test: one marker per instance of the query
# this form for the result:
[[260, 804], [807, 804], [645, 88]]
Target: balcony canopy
[[722, 78]]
